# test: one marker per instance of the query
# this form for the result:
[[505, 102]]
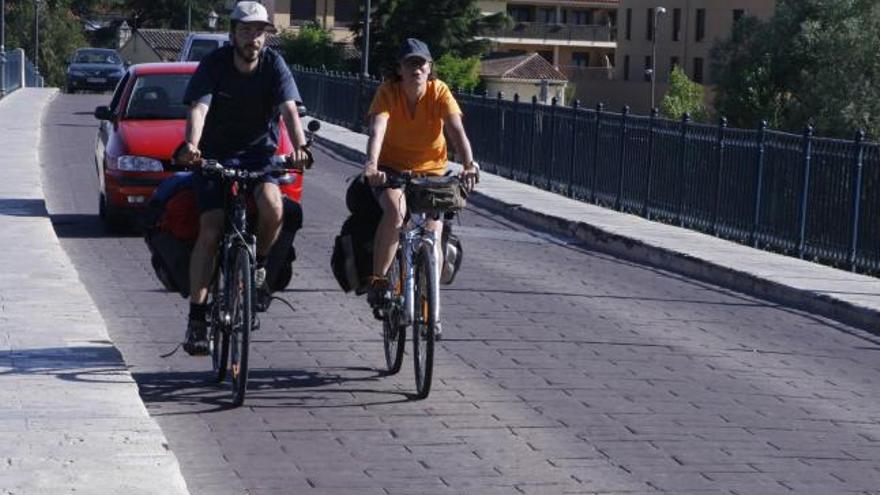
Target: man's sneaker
[[377, 292], [196, 338], [263, 295]]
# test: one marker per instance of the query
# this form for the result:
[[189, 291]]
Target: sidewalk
[[71, 420], [840, 295]]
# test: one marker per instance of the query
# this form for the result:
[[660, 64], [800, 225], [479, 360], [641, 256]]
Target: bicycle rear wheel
[[219, 340], [394, 334], [424, 320], [242, 308]]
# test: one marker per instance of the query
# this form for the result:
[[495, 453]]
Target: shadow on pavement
[[23, 207], [97, 364], [267, 388], [79, 226]]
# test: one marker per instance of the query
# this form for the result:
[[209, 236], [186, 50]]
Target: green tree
[[459, 73], [313, 46], [813, 62], [683, 96], [60, 34], [392, 21]]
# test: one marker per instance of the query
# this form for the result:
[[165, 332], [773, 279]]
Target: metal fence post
[[551, 170], [499, 110], [722, 125], [679, 180], [646, 204], [857, 198], [595, 182], [759, 182], [518, 141], [622, 160], [575, 106], [532, 139], [805, 190]]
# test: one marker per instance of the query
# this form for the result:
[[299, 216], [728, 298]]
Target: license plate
[[96, 80]]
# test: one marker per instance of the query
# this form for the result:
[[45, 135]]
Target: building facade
[[576, 36], [338, 16], [686, 32]]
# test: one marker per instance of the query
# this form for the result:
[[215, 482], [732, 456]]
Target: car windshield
[[158, 97], [96, 57], [200, 48]]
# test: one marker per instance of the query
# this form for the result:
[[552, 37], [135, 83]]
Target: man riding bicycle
[[234, 99], [407, 118]]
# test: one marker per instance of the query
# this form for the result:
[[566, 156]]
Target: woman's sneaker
[[196, 338]]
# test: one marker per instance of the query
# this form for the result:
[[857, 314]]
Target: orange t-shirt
[[414, 143]]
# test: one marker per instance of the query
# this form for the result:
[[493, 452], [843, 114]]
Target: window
[[520, 14], [648, 68], [629, 23], [676, 24], [701, 24], [738, 14], [547, 16], [626, 67], [673, 63], [649, 25], [580, 59], [302, 11], [698, 70], [158, 97], [579, 17], [345, 13]]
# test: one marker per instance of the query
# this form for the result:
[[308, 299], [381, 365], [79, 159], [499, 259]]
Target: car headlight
[[130, 163]]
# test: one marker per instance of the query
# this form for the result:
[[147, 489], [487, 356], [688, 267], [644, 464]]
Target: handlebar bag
[[433, 195]]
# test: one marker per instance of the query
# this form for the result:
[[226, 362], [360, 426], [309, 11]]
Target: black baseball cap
[[413, 47]]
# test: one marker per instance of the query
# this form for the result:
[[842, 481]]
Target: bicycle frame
[[413, 236]]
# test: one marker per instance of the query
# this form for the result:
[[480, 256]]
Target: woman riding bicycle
[[407, 118]]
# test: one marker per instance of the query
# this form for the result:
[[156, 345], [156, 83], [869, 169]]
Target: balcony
[[555, 34]]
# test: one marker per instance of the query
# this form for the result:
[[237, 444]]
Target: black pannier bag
[[352, 258], [172, 228]]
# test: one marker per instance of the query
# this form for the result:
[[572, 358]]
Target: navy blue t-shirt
[[243, 114]]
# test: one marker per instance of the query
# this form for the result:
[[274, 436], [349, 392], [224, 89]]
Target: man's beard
[[247, 55]]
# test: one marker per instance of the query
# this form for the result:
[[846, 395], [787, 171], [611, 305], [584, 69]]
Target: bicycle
[[232, 291], [414, 294]]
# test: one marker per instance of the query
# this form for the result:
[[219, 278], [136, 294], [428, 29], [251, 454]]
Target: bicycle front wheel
[[219, 340], [425, 319], [394, 334], [242, 309]]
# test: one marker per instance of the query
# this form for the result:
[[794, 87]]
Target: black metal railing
[[814, 198], [554, 32]]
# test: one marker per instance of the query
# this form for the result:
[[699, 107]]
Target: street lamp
[[2, 48], [189, 11], [658, 11], [212, 20], [37, 41], [365, 56]]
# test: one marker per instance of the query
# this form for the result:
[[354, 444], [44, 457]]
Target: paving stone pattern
[[562, 371]]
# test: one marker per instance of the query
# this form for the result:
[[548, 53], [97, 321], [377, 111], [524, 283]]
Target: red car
[[139, 131]]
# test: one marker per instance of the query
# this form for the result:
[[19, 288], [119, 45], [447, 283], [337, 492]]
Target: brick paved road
[[562, 371]]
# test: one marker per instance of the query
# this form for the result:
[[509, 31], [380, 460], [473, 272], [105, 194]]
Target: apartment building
[[576, 36], [336, 15], [686, 32]]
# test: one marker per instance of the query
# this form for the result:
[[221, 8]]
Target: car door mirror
[[103, 113]]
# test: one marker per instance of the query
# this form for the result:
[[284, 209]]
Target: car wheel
[[114, 221]]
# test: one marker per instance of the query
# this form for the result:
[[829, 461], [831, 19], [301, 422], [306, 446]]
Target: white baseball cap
[[252, 12]]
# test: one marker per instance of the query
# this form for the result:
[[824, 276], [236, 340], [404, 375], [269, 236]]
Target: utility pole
[[659, 11], [37, 41], [365, 56], [2, 48], [189, 16]]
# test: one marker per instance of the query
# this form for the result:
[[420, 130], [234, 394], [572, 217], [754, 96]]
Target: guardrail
[[16, 71], [815, 198]]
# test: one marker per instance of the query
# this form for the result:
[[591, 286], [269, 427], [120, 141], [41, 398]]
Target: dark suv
[[95, 69]]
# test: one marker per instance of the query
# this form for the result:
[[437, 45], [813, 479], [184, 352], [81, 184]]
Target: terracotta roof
[[166, 42], [169, 42], [530, 66]]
